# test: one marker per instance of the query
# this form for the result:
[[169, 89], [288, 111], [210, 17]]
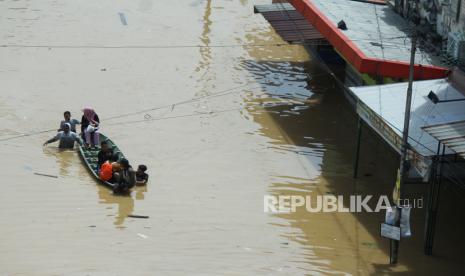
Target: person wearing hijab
[[90, 126], [66, 138]]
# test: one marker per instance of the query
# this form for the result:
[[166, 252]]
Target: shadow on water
[[318, 125]]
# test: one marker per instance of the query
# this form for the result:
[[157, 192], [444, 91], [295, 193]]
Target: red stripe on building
[[350, 51]]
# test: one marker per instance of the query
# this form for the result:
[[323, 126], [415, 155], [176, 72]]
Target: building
[[372, 41], [442, 22], [374, 46]]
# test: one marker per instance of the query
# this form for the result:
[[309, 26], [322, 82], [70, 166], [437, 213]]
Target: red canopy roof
[[358, 59]]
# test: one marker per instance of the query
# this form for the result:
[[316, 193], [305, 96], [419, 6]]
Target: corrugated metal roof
[[288, 23], [450, 134], [388, 103], [376, 40]]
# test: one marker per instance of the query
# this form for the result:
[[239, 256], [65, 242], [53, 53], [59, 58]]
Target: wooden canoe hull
[[89, 157]]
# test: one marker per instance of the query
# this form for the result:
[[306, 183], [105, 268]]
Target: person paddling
[[66, 138], [90, 123]]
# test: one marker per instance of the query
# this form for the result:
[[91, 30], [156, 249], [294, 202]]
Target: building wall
[[445, 17], [451, 17]]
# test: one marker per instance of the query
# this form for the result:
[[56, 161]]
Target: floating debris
[[47, 175], [122, 18], [138, 216], [142, 235]]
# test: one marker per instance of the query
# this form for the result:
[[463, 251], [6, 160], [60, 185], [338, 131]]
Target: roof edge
[[350, 51]]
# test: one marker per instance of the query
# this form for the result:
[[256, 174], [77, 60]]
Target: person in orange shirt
[[106, 171]]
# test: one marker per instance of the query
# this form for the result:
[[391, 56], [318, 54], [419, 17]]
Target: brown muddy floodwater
[[269, 121]]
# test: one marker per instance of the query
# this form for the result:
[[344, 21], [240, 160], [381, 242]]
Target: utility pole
[[403, 168]]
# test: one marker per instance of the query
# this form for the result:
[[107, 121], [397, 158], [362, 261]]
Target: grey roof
[[289, 24], [370, 26], [388, 102], [450, 134], [273, 7]]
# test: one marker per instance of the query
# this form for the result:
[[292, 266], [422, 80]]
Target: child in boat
[[68, 120], [141, 176]]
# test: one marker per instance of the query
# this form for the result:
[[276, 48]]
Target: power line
[[173, 105], [300, 42], [140, 46], [218, 94], [27, 134], [174, 117]]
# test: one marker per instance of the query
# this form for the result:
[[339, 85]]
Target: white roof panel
[[388, 102], [450, 134]]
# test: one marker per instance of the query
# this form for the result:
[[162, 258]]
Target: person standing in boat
[[68, 120], [66, 138], [90, 123]]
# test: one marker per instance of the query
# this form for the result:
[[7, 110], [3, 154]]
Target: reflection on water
[[125, 204], [297, 99], [203, 67], [64, 158], [285, 89], [140, 192], [283, 79], [205, 52], [317, 125], [69, 160]]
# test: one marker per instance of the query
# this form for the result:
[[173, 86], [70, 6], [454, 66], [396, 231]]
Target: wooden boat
[[89, 157]]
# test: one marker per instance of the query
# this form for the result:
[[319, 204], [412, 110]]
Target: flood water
[[266, 120]]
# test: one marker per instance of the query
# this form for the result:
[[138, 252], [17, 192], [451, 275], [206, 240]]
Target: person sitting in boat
[[141, 176], [66, 138], [105, 153], [68, 120], [106, 171], [125, 179], [90, 123]]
